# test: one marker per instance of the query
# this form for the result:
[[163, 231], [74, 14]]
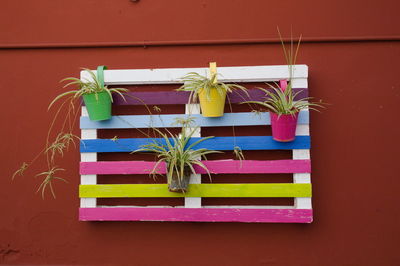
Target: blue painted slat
[[145, 121], [217, 143]]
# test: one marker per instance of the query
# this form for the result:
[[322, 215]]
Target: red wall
[[352, 49]]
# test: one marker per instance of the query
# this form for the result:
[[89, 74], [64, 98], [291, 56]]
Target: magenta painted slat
[[197, 215], [180, 97], [124, 167], [217, 167], [254, 167]]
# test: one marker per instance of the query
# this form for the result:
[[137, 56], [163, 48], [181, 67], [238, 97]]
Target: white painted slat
[[303, 178], [301, 154], [88, 157], [302, 130], [227, 74], [191, 202], [300, 83], [302, 203], [88, 133]]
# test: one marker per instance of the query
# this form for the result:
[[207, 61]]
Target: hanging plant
[[180, 158], [280, 99], [284, 110], [95, 94], [209, 91]]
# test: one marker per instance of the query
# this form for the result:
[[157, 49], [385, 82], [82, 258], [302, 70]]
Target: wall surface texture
[[352, 49]]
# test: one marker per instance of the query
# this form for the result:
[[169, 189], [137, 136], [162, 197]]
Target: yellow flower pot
[[212, 106]]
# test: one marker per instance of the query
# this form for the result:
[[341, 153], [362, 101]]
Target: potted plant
[[209, 91], [284, 110], [60, 134], [180, 158], [280, 100], [96, 96]]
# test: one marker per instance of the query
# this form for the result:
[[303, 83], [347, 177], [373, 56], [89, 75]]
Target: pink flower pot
[[283, 127]]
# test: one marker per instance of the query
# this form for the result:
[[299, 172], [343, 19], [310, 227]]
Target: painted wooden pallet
[[193, 210]]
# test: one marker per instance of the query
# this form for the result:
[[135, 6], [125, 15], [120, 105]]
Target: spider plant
[[61, 143], [96, 95], [68, 114], [179, 156], [87, 86], [60, 135], [48, 178], [282, 102], [210, 91], [194, 82], [290, 53]]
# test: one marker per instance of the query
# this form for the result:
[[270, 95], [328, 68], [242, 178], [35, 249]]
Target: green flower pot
[[98, 105]]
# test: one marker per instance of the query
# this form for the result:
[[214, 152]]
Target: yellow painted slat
[[196, 190]]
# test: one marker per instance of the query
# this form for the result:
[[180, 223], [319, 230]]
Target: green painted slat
[[196, 190]]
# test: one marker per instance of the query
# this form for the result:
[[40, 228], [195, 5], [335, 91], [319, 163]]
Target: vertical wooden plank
[[191, 202], [302, 130], [88, 157], [302, 203]]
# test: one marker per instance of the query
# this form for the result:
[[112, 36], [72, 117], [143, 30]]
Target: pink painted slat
[[256, 167], [122, 167], [197, 215], [216, 167]]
